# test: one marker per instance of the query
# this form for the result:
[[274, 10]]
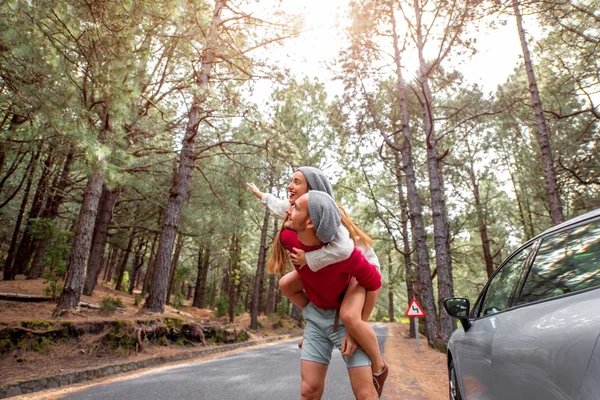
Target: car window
[[504, 283], [566, 262]]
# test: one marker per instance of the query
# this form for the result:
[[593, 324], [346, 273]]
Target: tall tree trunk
[[203, 263], [260, 271], [414, 206], [9, 271], [412, 291], [27, 244], [138, 261], [441, 234], [390, 289], [174, 262], [150, 267], [542, 131], [234, 276], [112, 267], [77, 269], [481, 222], [109, 263], [273, 281], [51, 212], [123, 266], [179, 191], [105, 212]]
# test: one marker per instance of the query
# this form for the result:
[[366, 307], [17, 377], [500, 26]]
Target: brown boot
[[379, 380]]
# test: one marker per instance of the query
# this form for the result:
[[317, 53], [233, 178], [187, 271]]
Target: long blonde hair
[[279, 261]]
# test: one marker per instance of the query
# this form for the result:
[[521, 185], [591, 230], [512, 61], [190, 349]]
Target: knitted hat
[[324, 214], [316, 180]]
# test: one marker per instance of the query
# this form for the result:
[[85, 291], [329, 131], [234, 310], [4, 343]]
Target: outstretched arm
[[277, 206]]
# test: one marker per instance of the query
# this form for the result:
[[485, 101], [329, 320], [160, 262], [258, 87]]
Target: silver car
[[533, 333]]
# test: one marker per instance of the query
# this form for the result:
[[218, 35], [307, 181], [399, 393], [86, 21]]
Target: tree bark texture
[[542, 130], [260, 271], [441, 234], [174, 262], [415, 207], [77, 269], [96, 260], [179, 190]]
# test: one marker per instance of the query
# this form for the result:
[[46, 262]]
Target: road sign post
[[415, 311]]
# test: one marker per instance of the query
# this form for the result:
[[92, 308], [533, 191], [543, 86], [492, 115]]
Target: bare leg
[[313, 380], [362, 383], [291, 287], [361, 331]]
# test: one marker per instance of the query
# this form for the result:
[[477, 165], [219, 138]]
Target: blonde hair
[[279, 261]]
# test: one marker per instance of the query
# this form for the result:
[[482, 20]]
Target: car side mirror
[[459, 307]]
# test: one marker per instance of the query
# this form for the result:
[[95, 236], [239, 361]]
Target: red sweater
[[325, 288]]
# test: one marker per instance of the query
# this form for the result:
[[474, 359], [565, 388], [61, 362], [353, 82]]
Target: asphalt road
[[268, 373]]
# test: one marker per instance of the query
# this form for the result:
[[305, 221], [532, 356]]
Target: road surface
[[267, 373]]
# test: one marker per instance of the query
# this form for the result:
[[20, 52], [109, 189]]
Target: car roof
[[572, 221]]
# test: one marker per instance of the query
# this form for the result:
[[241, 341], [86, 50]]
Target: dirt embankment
[[38, 345]]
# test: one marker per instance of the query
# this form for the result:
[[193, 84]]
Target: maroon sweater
[[325, 288]]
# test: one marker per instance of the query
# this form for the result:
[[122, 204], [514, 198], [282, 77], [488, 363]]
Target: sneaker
[[379, 380]]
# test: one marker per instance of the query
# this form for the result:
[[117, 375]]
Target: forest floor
[[418, 375]]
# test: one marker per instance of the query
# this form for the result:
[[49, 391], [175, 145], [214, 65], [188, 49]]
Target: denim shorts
[[319, 338]]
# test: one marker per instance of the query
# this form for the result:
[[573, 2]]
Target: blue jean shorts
[[319, 338]]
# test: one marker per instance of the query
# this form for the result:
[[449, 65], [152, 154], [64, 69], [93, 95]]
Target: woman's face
[[297, 187]]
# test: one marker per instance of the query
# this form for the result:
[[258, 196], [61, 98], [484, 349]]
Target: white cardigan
[[335, 251]]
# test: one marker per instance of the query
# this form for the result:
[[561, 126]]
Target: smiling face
[[297, 187], [298, 218]]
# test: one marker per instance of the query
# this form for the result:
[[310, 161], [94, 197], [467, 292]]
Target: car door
[[472, 350], [542, 348]]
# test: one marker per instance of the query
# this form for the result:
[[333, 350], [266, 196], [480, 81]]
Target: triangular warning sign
[[414, 310]]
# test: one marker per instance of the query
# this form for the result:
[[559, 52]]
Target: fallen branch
[[24, 297]]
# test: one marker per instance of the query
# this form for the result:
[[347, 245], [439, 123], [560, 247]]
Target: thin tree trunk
[[51, 212], [150, 267], [27, 244], [179, 191], [105, 212], [138, 261], [481, 221], [9, 271], [414, 206], [411, 281], [203, 263], [112, 264], [260, 271], [542, 131], [123, 266], [273, 281], [234, 277], [174, 263], [107, 266]]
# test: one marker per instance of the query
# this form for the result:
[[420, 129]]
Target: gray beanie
[[317, 180], [325, 215]]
